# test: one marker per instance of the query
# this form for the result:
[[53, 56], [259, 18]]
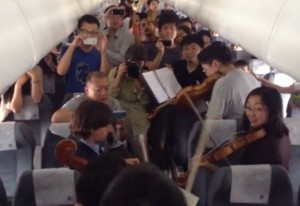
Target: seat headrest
[[54, 187], [250, 184], [7, 136], [220, 130], [60, 129], [29, 111]]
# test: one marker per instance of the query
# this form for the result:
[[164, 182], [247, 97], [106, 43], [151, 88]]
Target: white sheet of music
[[168, 80], [155, 86]]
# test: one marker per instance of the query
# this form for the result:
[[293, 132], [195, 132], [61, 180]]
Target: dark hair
[[149, 1], [96, 177], [88, 116], [167, 17], [204, 33], [272, 100], [240, 63], [216, 51], [88, 19], [136, 53], [186, 29], [142, 185], [95, 74], [190, 39]]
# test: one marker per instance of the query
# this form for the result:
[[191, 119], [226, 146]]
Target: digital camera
[[133, 69]]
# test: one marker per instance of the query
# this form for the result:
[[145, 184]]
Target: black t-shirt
[[170, 56], [185, 78]]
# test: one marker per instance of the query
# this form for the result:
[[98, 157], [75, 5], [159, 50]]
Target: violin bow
[[203, 137]]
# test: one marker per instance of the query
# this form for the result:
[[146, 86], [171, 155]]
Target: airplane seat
[[3, 198], [201, 184], [249, 185], [48, 151], [293, 125], [16, 153], [54, 88], [220, 131], [46, 187]]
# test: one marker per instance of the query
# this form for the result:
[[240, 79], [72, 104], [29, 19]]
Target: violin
[[195, 92], [65, 153], [224, 150]]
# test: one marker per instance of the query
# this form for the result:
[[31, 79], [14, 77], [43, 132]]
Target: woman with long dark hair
[[263, 109]]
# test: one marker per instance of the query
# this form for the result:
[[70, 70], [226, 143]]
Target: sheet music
[[155, 86], [168, 80]]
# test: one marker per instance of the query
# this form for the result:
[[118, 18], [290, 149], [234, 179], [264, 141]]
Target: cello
[[65, 153]]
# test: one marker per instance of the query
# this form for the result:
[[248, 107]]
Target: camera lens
[[133, 69]]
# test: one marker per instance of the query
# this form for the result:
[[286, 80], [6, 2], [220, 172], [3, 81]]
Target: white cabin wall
[[267, 29], [31, 28]]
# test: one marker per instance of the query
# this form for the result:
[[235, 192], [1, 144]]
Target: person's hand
[[169, 66], [102, 42], [34, 74], [132, 161], [122, 69], [22, 79], [77, 41], [160, 47]]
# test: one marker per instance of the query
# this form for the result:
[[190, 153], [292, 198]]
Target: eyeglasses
[[87, 32], [256, 111]]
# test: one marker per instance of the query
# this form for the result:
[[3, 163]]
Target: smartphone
[[166, 42], [118, 12], [90, 41], [142, 15], [119, 114]]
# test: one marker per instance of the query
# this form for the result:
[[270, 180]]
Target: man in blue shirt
[[86, 53]]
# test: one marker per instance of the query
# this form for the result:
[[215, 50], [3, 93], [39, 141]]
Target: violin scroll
[[65, 153]]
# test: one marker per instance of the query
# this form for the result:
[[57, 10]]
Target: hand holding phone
[[119, 114], [166, 42]]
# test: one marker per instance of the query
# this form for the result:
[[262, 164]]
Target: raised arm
[[16, 103], [154, 64], [36, 76], [65, 61], [102, 48]]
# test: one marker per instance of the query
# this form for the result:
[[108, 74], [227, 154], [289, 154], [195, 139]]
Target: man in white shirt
[[97, 87]]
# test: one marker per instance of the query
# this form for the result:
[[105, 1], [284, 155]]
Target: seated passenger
[[142, 185], [230, 91], [90, 127], [29, 83], [96, 88], [96, 177], [81, 56], [127, 86], [263, 109]]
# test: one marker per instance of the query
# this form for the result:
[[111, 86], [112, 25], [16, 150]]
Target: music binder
[[162, 83]]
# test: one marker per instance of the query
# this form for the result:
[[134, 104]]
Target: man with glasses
[[229, 92], [86, 53], [119, 37]]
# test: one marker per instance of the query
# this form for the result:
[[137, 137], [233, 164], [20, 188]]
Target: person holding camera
[[119, 37], [86, 53], [164, 52], [127, 86]]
